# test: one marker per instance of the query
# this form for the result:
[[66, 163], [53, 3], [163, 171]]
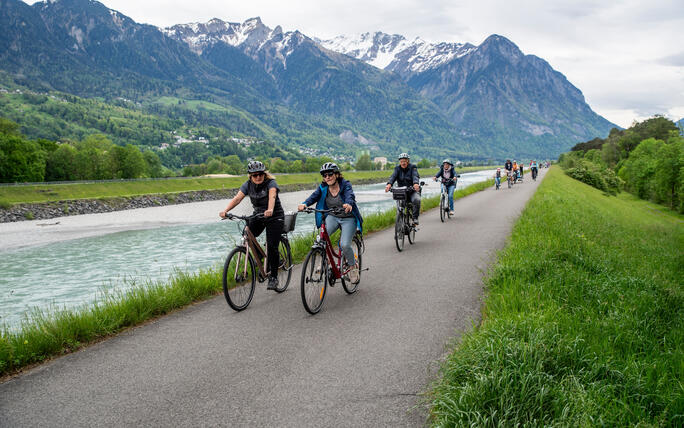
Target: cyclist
[[262, 190], [508, 166], [497, 177], [446, 171], [515, 170], [534, 169], [336, 192], [406, 174], [520, 170]]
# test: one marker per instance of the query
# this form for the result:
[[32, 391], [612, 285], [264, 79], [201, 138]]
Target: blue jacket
[[347, 195], [453, 178]]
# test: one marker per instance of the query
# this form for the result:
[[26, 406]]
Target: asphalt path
[[364, 360]]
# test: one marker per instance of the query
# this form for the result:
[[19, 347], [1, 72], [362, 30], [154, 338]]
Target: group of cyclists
[[514, 171], [333, 193]]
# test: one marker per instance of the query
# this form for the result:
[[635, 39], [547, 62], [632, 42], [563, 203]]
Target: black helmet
[[255, 166], [447, 161], [404, 156], [329, 166]]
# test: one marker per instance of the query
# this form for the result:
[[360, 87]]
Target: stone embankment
[[48, 210]]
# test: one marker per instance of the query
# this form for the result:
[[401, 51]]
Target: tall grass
[[44, 334], [582, 326]]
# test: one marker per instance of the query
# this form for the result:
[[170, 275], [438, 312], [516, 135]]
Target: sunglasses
[[257, 174], [327, 174]]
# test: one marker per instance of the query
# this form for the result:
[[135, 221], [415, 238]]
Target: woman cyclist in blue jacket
[[336, 192]]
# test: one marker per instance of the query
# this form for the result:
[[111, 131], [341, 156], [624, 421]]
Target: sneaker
[[451, 212], [272, 283], [353, 274], [415, 222]]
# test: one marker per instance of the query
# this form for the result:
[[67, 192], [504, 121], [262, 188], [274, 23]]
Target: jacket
[[347, 196], [453, 178], [405, 177]]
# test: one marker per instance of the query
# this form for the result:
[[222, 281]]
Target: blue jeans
[[450, 192], [348, 225]]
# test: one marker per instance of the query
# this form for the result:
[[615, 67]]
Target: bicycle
[[534, 173], [245, 264], [444, 211], [323, 266], [497, 181], [404, 226], [509, 179]]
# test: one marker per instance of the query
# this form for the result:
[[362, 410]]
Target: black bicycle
[[444, 211], [404, 226], [245, 263]]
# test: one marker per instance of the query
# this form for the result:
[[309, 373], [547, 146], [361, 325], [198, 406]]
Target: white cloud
[[625, 55]]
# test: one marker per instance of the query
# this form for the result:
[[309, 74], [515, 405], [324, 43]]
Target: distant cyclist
[[406, 174], [508, 166], [520, 170], [263, 193], [497, 177], [534, 169], [336, 192], [449, 176], [515, 170]]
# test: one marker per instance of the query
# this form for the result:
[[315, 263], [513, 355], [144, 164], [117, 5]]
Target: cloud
[[676, 60]]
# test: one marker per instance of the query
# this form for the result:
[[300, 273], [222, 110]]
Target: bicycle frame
[[335, 260]]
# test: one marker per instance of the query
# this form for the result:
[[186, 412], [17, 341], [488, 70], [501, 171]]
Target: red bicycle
[[323, 266]]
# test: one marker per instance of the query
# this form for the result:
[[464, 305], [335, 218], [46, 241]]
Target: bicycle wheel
[[442, 206], [399, 231], [239, 278], [509, 182], [411, 233], [314, 280], [285, 265], [351, 287]]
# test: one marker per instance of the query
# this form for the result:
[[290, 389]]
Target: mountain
[[493, 93], [380, 92]]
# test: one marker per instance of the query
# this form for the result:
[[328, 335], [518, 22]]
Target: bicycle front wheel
[[314, 280], [284, 265], [442, 207], [411, 232], [399, 231], [239, 279]]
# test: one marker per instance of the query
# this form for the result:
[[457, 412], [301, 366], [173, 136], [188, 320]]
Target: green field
[[10, 195], [583, 323]]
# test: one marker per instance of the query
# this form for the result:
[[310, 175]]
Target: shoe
[[415, 222], [353, 274], [272, 283], [451, 212]]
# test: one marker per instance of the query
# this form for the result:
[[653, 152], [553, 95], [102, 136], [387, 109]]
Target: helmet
[[447, 161], [255, 166], [498, 169], [404, 156], [329, 166]]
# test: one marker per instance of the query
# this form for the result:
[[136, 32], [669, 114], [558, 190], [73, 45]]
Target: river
[[72, 261]]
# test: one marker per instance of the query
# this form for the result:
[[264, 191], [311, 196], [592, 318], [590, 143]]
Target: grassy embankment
[[10, 195], [582, 326], [46, 334]]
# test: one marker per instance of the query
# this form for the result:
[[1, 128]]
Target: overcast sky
[[626, 56]]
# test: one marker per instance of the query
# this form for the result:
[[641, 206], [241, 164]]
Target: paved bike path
[[363, 360]]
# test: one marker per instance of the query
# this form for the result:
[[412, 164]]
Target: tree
[[424, 163], [134, 164], [153, 164], [363, 163], [21, 160], [61, 164], [668, 166]]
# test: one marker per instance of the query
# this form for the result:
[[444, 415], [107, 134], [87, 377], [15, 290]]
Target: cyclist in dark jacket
[[406, 174], [263, 193], [449, 176]]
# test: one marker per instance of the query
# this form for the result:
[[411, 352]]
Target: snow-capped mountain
[[395, 53]]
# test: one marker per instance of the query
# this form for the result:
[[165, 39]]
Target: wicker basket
[[289, 222]]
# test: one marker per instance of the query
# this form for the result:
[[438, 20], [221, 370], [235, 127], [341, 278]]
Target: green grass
[[583, 325], [10, 195], [45, 334]]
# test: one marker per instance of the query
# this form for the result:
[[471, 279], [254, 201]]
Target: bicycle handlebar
[[334, 211], [230, 216]]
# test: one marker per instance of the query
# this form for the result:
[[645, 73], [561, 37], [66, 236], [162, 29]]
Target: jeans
[[450, 192], [348, 225]]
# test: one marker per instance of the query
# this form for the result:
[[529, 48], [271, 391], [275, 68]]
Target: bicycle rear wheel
[[411, 233], [399, 231], [442, 206], [314, 280], [284, 266], [349, 286], [239, 279]]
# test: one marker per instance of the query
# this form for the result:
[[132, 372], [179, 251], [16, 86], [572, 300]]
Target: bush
[[595, 175]]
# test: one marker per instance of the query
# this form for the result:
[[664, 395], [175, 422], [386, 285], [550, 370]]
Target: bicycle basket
[[289, 223], [399, 193]]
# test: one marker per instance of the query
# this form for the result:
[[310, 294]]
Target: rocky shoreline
[[49, 210]]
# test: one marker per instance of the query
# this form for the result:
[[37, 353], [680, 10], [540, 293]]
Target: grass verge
[[43, 335], [582, 326]]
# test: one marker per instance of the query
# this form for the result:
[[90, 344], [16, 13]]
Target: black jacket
[[405, 177]]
